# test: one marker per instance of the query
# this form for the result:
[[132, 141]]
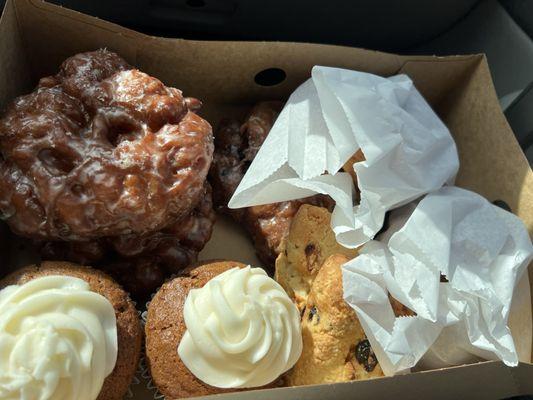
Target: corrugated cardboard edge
[[489, 380]]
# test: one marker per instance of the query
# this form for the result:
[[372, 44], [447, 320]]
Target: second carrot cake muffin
[[221, 326]]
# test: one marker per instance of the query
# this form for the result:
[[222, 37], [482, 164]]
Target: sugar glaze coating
[[101, 149]]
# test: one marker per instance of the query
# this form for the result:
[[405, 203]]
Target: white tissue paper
[[408, 150], [482, 251]]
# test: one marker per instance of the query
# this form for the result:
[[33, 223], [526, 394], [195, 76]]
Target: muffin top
[[57, 337], [264, 355], [65, 332], [242, 330]]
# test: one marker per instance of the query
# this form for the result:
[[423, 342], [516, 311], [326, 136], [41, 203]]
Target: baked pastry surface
[[165, 326], [129, 332], [309, 243], [335, 347], [141, 263]]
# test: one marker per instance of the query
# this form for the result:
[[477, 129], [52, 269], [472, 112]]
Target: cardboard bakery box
[[229, 77]]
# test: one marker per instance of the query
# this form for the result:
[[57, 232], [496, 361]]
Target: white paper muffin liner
[[136, 380], [143, 365]]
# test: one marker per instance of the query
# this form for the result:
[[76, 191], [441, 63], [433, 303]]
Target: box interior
[[35, 37]]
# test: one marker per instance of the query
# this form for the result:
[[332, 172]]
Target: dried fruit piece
[[313, 315], [365, 355]]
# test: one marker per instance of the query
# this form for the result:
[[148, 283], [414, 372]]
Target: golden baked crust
[[128, 324], [309, 243], [335, 348], [348, 165], [165, 327]]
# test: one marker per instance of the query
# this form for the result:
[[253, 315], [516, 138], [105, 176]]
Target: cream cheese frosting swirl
[[242, 330], [58, 340]]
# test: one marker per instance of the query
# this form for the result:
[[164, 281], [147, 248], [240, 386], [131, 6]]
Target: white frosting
[[242, 330], [58, 340]]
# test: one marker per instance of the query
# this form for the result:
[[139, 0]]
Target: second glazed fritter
[[141, 263], [235, 149]]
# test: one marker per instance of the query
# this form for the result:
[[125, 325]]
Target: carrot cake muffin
[[219, 327], [66, 332]]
